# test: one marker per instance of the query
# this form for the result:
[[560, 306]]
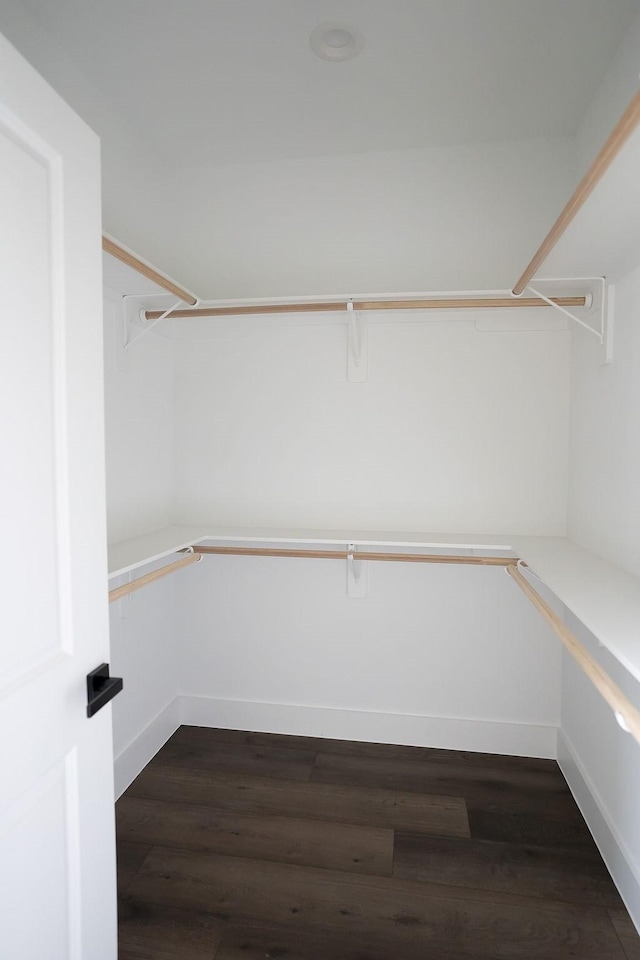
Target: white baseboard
[[134, 758], [525, 740], [620, 863]]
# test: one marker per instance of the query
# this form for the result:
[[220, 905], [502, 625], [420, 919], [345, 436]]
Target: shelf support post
[[356, 574], [357, 345]]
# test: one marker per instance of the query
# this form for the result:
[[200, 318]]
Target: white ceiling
[[209, 81]]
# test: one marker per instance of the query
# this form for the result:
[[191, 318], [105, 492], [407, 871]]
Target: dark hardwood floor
[[248, 846]]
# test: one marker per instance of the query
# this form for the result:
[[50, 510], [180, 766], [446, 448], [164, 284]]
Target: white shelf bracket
[[356, 575], [119, 357], [357, 345], [567, 313], [143, 326], [598, 307]]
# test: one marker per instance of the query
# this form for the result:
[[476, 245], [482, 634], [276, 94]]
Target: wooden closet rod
[[612, 147], [342, 555], [621, 706], [146, 270], [458, 303], [119, 592]]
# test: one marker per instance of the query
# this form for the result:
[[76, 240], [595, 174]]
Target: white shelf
[[603, 597], [125, 281], [130, 554], [604, 237]]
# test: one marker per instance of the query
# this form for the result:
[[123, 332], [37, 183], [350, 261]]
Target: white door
[[57, 857]]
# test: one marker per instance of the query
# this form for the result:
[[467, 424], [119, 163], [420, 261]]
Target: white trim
[[615, 852], [486, 736], [134, 758]]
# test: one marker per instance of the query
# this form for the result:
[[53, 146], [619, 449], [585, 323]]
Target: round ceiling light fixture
[[336, 41]]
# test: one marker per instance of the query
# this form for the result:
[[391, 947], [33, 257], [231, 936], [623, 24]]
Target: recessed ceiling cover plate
[[336, 41]]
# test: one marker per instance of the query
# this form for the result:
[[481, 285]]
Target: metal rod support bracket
[[598, 307], [143, 325]]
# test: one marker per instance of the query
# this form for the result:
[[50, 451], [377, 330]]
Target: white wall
[[139, 446], [139, 426], [604, 492], [467, 217], [434, 655], [455, 430], [146, 654], [601, 762], [263, 428]]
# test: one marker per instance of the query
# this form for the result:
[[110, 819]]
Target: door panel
[[57, 850], [37, 853], [27, 395]]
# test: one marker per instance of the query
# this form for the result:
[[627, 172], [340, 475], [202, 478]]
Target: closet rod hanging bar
[[127, 588], [344, 555], [610, 150], [626, 714], [129, 258], [457, 303]]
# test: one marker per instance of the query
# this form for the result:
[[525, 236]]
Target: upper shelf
[[125, 281], [603, 597], [127, 555], [119, 256], [597, 234], [604, 238]]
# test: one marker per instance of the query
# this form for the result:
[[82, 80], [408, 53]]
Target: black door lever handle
[[101, 688]]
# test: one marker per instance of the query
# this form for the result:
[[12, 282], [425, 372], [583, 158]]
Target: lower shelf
[[605, 598]]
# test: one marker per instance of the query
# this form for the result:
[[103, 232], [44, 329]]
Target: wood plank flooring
[[248, 846]]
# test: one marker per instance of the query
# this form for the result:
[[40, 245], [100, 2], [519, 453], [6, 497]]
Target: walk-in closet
[[324, 445]]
